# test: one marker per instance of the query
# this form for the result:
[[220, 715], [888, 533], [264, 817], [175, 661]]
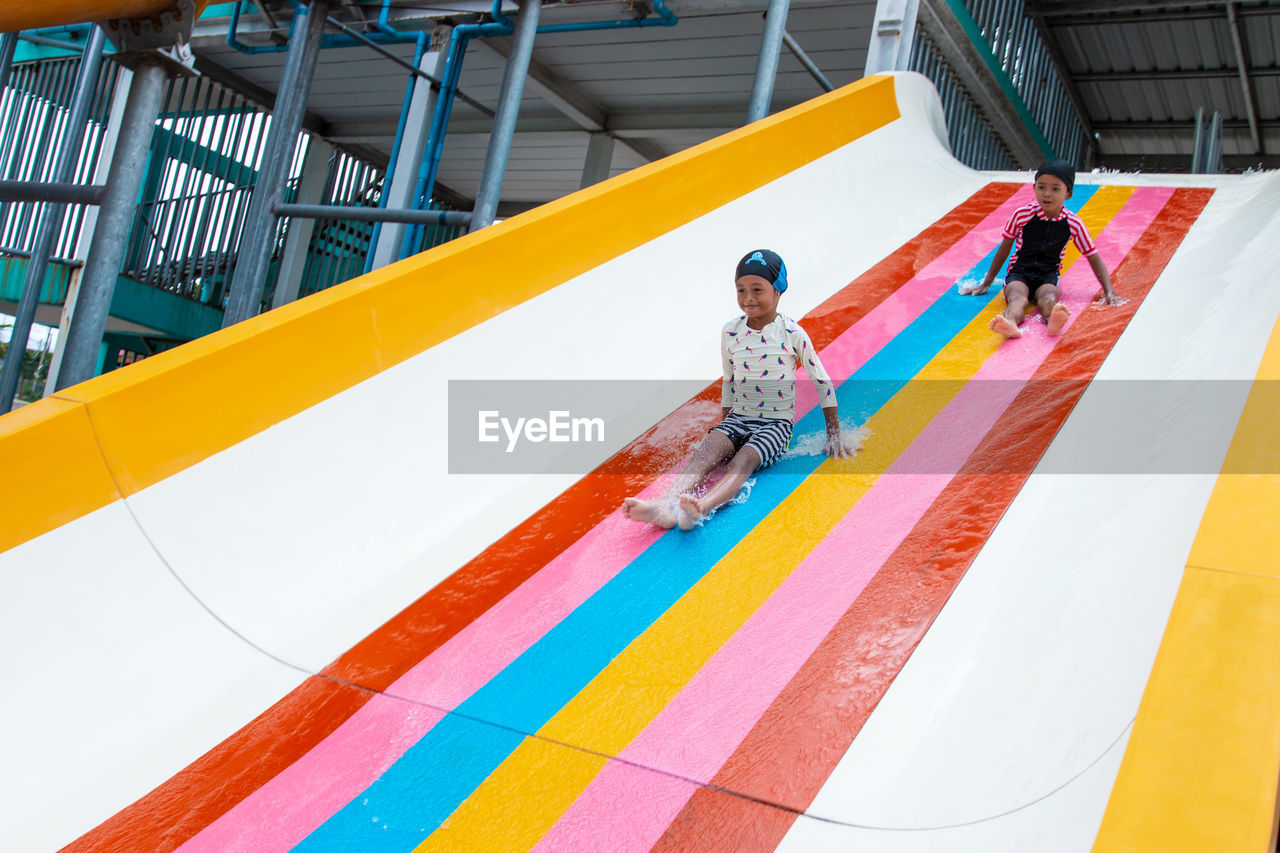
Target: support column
[[115, 120], [1246, 84], [409, 156], [1213, 161], [504, 122], [599, 158], [253, 258], [51, 216], [775, 24], [115, 219], [315, 174], [1200, 147], [892, 35]]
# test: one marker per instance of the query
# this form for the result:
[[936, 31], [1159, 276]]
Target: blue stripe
[[437, 774]]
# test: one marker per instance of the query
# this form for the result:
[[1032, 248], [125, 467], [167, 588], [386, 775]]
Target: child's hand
[[1111, 299], [838, 447], [971, 289]]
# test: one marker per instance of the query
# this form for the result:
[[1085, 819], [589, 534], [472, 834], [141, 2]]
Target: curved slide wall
[[257, 612]]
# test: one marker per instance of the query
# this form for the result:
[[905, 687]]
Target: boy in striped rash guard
[[1037, 234], [761, 351]]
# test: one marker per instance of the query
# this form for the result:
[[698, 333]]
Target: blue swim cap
[[766, 264]]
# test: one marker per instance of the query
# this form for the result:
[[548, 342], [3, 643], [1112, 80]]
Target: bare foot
[[1002, 325], [1058, 318], [690, 512], [650, 512]]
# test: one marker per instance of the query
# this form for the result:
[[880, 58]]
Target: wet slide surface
[[680, 690], [940, 643]]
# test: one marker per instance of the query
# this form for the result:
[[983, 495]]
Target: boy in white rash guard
[[762, 351]]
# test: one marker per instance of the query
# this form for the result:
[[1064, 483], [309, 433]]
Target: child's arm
[[726, 384], [836, 446], [1002, 254], [1109, 296]]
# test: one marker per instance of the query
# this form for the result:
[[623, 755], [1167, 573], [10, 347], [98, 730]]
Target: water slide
[[256, 597]]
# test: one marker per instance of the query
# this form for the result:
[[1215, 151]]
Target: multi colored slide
[[256, 597]]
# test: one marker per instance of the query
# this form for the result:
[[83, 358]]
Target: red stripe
[[214, 783], [793, 749]]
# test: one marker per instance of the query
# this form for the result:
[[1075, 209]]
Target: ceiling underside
[[1139, 69], [1142, 69], [656, 90]]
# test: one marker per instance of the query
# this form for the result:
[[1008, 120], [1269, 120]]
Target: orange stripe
[[166, 413]]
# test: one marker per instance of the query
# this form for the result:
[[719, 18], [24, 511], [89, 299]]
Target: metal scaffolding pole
[[253, 258], [106, 155], [55, 191], [8, 44], [504, 122], [775, 24], [809, 65], [51, 217], [115, 220]]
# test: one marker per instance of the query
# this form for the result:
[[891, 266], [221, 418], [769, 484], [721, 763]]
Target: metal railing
[[206, 153], [339, 247], [972, 140], [33, 122], [1026, 59]]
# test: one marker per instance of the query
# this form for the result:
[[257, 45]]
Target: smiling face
[[758, 300], [1052, 193]]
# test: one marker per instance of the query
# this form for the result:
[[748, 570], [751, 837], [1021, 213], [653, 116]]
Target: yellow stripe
[[49, 452], [1200, 771], [634, 688], [490, 820], [166, 413]]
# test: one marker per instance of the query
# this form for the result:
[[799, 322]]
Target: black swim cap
[[1059, 169], [766, 264]]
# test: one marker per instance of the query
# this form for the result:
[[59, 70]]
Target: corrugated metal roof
[[1144, 68]]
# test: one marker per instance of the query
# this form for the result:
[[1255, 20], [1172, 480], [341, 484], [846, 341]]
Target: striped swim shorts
[[768, 436]]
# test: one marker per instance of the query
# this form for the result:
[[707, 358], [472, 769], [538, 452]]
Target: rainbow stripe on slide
[[592, 703]]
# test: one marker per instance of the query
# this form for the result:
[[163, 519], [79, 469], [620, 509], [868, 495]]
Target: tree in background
[[35, 369]]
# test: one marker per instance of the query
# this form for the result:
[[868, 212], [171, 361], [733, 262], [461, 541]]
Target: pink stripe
[[292, 805], [699, 730], [477, 653]]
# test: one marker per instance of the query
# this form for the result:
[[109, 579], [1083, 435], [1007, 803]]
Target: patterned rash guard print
[[760, 369]]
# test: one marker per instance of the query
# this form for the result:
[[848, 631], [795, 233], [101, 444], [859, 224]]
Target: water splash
[[815, 443]]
